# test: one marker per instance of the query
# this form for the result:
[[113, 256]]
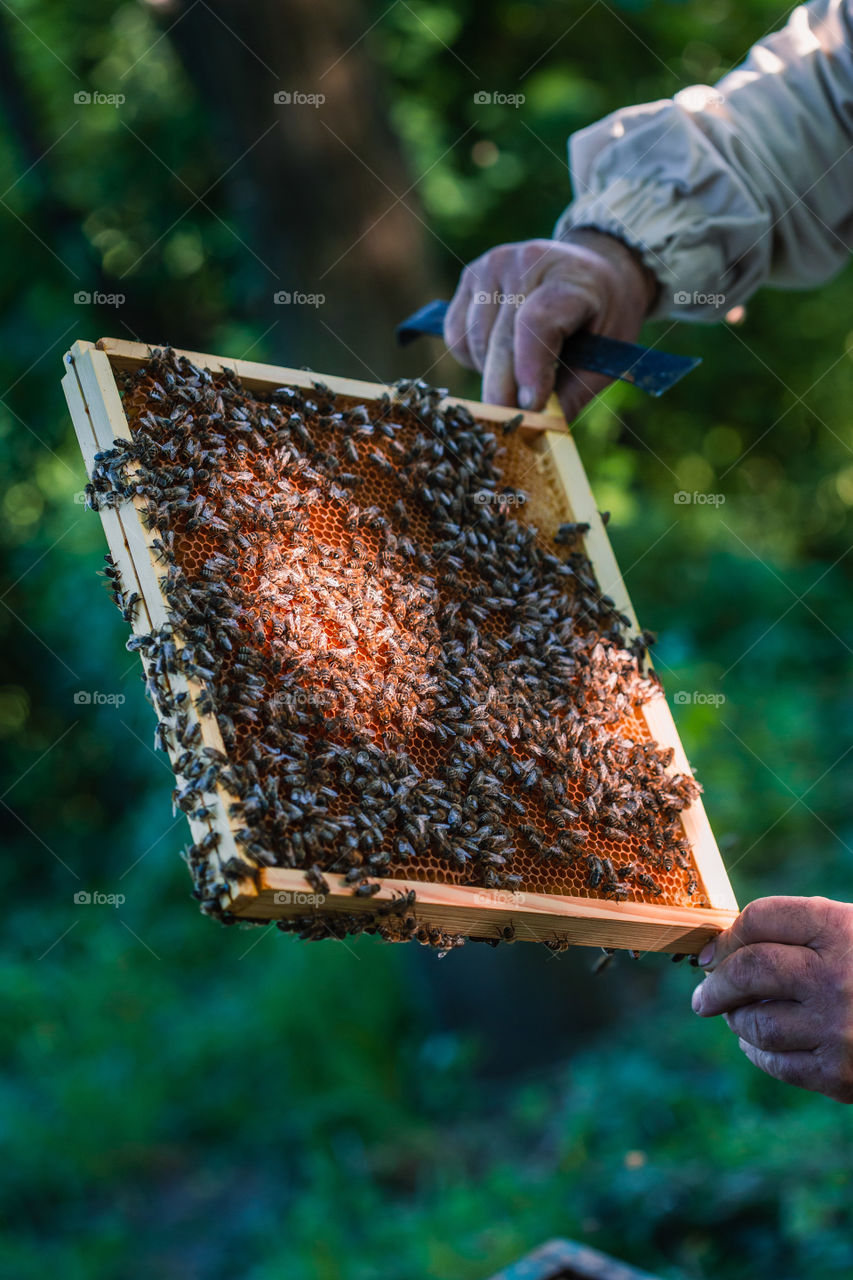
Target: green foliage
[[183, 1101]]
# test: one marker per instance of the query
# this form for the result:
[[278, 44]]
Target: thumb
[[549, 315], [794, 921]]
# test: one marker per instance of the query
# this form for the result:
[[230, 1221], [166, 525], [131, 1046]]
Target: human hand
[[782, 977], [515, 305]]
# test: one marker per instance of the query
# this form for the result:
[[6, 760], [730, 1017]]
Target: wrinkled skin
[[536, 294], [782, 977]]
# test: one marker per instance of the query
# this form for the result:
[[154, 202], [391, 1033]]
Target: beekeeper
[[682, 209]]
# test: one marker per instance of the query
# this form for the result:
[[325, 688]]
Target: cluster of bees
[[408, 680]]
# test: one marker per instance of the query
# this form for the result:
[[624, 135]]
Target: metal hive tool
[[393, 692]]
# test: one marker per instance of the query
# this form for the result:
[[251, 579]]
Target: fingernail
[[696, 998], [706, 955], [526, 397]]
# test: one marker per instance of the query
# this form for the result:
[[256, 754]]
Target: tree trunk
[[314, 187]]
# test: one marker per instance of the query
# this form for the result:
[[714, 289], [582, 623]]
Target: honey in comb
[[409, 679]]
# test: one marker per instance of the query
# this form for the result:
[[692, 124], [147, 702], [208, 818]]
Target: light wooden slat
[[116, 540], [481, 913], [713, 877], [714, 881], [99, 419], [567, 463], [266, 377]]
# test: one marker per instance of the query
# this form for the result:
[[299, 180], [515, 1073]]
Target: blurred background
[[180, 1100]]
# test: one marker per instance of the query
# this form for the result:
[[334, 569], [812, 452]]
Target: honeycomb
[[413, 670]]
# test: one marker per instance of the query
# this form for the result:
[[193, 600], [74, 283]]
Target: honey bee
[[570, 533], [605, 959], [317, 880], [367, 890], [649, 883]]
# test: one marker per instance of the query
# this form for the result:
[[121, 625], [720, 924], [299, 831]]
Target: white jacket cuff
[[647, 176]]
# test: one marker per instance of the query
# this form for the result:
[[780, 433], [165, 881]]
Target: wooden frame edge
[[130, 355], [656, 713], [98, 418], [283, 893], [544, 917]]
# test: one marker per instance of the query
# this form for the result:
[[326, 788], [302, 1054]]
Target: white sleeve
[[727, 188]]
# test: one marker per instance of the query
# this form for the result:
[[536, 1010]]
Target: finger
[[778, 1026], [796, 921], [498, 369], [576, 388], [549, 315], [484, 308], [456, 320], [761, 971], [801, 1069]]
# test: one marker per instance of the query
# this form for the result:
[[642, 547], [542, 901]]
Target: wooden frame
[[274, 893]]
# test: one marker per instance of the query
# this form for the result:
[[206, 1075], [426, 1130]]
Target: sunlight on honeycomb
[[261, 561]]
